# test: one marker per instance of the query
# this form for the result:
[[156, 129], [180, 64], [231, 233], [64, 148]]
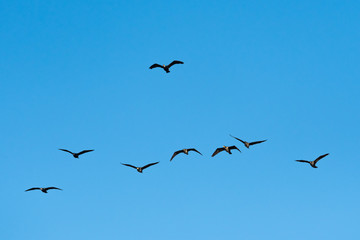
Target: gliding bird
[[76, 155], [186, 151], [166, 67], [248, 144], [313, 163], [44, 190], [224, 148], [140, 169]]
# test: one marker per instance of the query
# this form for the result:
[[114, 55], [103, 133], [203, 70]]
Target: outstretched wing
[[85, 151], [320, 157], [302, 161], [34, 188], [175, 62], [48, 188], [193, 149], [155, 66], [217, 151], [129, 165], [149, 165], [257, 142], [176, 153], [66, 151], [234, 147], [237, 139]]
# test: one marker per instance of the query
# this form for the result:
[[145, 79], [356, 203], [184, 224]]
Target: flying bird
[[140, 169], [313, 163], [44, 190], [166, 67], [76, 155], [186, 151], [248, 144], [224, 148]]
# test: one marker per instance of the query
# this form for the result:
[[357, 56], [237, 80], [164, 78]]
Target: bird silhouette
[[313, 163], [186, 151], [248, 144], [44, 190], [166, 67], [225, 148], [140, 169], [76, 155]]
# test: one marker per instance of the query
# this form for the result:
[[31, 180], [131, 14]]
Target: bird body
[[248, 144], [166, 67], [76, 155], [140, 169], [225, 148], [313, 163], [44, 190], [186, 151]]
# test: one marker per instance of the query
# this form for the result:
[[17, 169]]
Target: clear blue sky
[[74, 74]]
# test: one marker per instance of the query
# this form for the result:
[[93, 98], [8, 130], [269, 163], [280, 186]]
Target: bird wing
[[320, 157], [149, 165], [217, 151], [65, 150], [85, 151], [237, 139], [302, 161], [129, 165], [193, 149], [48, 188], [155, 66], [257, 142], [34, 188], [234, 147], [176, 153], [175, 62]]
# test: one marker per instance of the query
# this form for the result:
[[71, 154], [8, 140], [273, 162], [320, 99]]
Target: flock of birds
[[185, 151]]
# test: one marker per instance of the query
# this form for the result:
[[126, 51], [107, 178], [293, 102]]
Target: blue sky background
[[74, 74]]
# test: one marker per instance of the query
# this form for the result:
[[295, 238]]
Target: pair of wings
[[146, 166], [169, 66], [82, 152], [223, 149], [183, 151], [250, 143], [36, 188], [316, 160]]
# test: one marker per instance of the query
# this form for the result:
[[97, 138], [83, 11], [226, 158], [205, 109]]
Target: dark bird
[[186, 151], [76, 155], [44, 190], [224, 148], [140, 169], [166, 67], [248, 144], [313, 163]]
